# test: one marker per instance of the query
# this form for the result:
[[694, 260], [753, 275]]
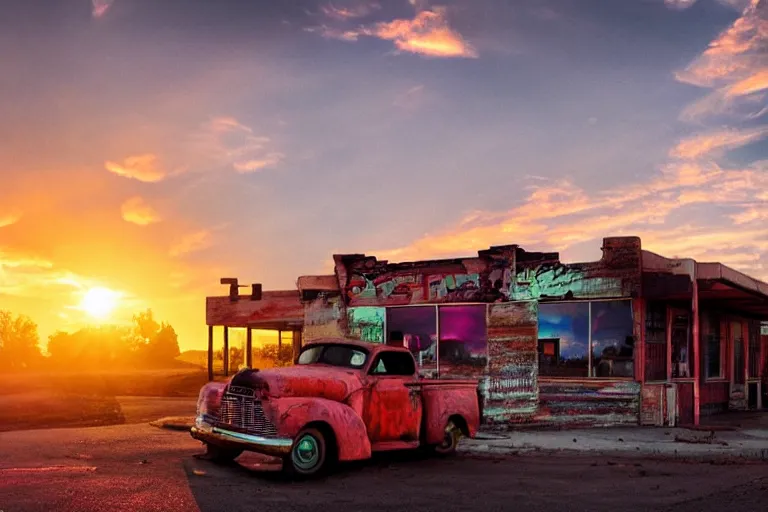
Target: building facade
[[633, 338]]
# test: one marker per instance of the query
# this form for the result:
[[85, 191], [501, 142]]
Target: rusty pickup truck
[[342, 401]]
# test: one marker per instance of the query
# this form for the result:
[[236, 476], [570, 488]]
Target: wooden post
[[670, 315], [248, 347], [638, 331], [210, 353], [296, 345], [279, 345], [226, 351], [696, 352]]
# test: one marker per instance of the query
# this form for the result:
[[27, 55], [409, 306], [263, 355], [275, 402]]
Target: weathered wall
[[324, 317], [510, 388], [658, 405], [617, 274], [588, 402], [367, 323], [366, 281], [498, 274], [275, 306]]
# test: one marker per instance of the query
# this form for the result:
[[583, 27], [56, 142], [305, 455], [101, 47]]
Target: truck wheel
[[219, 454], [450, 441], [308, 454]]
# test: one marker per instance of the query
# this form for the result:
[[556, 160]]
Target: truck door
[[392, 410]]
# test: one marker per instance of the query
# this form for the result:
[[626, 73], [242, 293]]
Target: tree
[[155, 342], [145, 326], [19, 340], [164, 346]]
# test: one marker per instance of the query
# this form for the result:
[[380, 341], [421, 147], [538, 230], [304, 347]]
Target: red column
[[696, 352]]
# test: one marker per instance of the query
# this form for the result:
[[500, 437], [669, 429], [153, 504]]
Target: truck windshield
[[334, 355]]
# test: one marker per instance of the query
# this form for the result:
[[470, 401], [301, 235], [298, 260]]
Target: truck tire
[[309, 454], [450, 441], [219, 454]]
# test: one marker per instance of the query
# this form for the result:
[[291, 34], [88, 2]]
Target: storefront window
[[564, 339], [712, 345], [613, 341], [416, 329], [463, 347]]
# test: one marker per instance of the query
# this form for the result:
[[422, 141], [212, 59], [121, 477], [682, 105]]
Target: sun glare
[[99, 302]]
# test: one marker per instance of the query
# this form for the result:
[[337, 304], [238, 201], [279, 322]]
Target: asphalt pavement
[[139, 467]]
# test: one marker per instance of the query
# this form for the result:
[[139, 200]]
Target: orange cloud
[[427, 34], [560, 215], [137, 211], [707, 144], [192, 242], [735, 53], [248, 166], [144, 168], [755, 83], [8, 219]]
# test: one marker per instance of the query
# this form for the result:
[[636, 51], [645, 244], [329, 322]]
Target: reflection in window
[[681, 346], [613, 341], [712, 345], [564, 339], [463, 342], [416, 329]]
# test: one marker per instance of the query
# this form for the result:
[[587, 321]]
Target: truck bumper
[[207, 433]]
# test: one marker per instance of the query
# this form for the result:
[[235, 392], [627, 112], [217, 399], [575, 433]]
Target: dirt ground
[[86, 399]]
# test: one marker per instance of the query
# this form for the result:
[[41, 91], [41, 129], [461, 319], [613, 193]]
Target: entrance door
[[738, 396], [680, 343]]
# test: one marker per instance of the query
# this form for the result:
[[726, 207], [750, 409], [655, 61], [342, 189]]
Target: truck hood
[[302, 381]]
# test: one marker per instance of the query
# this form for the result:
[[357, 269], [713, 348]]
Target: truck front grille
[[245, 413]]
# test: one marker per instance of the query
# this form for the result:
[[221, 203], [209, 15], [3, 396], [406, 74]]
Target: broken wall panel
[[658, 405], [279, 307], [588, 402], [366, 281], [367, 323], [617, 274], [324, 317], [509, 389]]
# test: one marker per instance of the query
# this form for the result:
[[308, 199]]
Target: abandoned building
[[634, 338]]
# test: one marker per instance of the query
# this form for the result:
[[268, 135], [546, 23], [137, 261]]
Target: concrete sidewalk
[[746, 444]]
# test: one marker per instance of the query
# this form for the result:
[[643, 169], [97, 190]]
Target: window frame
[[590, 370], [437, 308], [720, 321]]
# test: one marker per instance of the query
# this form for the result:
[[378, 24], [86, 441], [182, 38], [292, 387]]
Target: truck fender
[[291, 414], [439, 411]]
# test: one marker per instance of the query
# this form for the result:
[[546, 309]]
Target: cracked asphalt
[[139, 467]]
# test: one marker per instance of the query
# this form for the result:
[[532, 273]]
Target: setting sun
[[99, 302]]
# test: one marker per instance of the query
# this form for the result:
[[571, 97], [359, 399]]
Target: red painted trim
[[670, 314], [696, 353]]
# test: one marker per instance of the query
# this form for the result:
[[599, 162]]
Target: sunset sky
[[149, 147]]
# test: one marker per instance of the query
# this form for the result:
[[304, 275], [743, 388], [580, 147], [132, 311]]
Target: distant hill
[[194, 357]]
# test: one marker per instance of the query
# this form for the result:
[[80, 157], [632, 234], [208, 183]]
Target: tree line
[[145, 343]]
